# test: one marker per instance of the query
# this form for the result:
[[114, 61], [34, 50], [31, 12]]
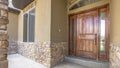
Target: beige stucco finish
[[59, 25], [20, 26], [42, 21], [13, 26], [115, 21]]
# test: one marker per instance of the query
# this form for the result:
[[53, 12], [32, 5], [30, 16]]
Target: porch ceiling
[[21, 4]]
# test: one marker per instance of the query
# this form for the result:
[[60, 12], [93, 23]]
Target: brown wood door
[[87, 34]]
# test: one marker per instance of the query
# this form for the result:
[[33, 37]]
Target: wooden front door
[[89, 34]]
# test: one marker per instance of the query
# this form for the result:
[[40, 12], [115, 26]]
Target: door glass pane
[[102, 32]]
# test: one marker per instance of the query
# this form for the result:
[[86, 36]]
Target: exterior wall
[[39, 50], [115, 19], [20, 26], [59, 31], [13, 26], [50, 33], [43, 20], [12, 32], [59, 25], [115, 33]]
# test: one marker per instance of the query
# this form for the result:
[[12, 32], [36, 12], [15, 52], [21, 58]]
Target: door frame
[[103, 57]]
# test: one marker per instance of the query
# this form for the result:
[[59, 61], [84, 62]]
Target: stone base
[[115, 55], [37, 51], [13, 47], [58, 52], [4, 64], [46, 53]]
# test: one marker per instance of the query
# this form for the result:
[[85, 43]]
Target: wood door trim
[[72, 17], [88, 10], [106, 56]]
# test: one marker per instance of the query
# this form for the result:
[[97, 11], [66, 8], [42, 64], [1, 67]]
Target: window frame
[[27, 12]]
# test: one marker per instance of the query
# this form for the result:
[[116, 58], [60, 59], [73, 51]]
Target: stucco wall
[[115, 21], [20, 26], [13, 26], [40, 49], [115, 33], [42, 21], [59, 26], [59, 31]]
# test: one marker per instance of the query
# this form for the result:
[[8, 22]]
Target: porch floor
[[18, 61]]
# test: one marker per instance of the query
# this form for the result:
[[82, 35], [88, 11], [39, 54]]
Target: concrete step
[[88, 62]]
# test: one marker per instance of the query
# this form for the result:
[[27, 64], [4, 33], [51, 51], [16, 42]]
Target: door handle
[[95, 39]]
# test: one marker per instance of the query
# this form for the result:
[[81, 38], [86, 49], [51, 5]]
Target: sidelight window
[[102, 33]]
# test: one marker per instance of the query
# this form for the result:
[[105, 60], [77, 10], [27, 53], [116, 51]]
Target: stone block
[[3, 27], [58, 52], [3, 51], [3, 6], [3, 57], [4, 1], [3, 35], [3, 21], [13, 47], [4, 14], [4, 44], [4, 64], [114, 55]]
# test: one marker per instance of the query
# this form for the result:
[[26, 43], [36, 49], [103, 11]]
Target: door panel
[[87, 32]]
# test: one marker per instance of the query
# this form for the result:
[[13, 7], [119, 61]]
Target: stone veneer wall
[[115, 56], [58, 52], [3, 33], [38, 51], [44, 52], [13, 47]]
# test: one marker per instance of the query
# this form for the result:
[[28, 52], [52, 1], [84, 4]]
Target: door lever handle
[[95, 39]]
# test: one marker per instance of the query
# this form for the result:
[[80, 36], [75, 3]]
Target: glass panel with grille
[[82, 3]]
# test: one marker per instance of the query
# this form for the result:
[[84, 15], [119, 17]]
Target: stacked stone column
[[3, 33]]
